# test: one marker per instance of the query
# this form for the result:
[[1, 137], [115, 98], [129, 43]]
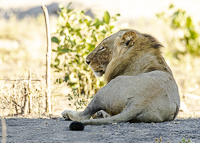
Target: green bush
[[179, 20], [77, 35]]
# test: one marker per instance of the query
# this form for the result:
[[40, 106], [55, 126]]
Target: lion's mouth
[[98, 73], [101, 71]]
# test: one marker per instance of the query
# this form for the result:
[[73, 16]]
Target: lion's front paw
[[71, 115], [64, 114]]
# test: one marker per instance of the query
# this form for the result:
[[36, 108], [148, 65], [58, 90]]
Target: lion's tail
[[124, 116]]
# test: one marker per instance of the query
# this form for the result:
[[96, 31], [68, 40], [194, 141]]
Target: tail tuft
[[76, 126]]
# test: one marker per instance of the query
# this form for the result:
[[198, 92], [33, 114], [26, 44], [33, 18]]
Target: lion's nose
[[88, 62]]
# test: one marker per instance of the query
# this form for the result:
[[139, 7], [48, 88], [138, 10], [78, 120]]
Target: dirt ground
[[57, 130]]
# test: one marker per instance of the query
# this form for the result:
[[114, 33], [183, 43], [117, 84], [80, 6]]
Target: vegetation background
[[23, 46]]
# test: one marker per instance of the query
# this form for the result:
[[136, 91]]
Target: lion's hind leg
[[102, 114], [126, 115]]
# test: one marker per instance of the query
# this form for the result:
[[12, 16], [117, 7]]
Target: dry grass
[[23, 96], [26, 97]]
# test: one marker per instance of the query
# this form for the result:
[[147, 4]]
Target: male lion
[[140, 85]]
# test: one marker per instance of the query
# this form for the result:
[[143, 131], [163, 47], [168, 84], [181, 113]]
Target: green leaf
[[91, 47], [171, 6], [57, 61], [55, 40], [97, 23], [69, 5], [111, 27], [103, 31], [60, 6], [106, 17], [65, 50], [66, 78], [118, 14]]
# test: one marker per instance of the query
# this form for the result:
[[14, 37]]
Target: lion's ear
[[129, 38]]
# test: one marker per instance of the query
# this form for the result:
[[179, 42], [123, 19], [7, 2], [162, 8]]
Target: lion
[[140, 85]]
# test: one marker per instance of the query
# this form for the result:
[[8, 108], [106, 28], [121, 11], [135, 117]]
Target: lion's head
[[126, 52], [100, 57]]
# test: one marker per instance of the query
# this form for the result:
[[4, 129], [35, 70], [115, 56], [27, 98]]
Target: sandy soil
[[57, 130]]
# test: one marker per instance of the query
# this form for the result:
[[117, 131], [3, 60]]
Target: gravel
[[20, 130]]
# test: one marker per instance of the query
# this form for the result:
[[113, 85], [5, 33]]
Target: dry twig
[[48, 60], [3, 125]]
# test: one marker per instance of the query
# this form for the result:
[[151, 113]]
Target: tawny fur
[[140, 85]]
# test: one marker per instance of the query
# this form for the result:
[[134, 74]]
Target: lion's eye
[[102, 48]]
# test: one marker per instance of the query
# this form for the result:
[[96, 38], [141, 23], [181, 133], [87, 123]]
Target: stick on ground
[[3, 125]]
